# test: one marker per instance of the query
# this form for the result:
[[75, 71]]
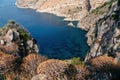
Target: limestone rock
[[36, 48], [30, 43], [71, 24], [1, 42], [104, 35], [9, 36]]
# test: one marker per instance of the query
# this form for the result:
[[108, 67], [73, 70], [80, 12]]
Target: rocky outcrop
[[15, 40], [18, 53], [104, 35]]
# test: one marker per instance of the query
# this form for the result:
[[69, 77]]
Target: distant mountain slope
[[71, 9]]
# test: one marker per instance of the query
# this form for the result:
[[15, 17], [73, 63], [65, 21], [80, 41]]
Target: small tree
[[118, 2]]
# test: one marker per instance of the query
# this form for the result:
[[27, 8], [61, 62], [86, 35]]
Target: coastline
[[67, 17]]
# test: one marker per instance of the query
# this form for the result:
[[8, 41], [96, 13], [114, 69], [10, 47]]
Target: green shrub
[[118, 2], [11, 22], [77, 61], [2, 77], [115, 16], [24, 35], [97, 41], [118, 37]]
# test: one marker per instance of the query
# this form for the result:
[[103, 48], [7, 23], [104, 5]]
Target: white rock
[[36, 48], [71, 24], [30, 43], [1, 42], [9, 36]]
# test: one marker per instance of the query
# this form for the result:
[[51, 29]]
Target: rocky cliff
[[104, 36], [14, 39]]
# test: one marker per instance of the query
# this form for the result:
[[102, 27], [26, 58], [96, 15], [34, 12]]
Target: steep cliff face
[[104, 37], [71, 9]]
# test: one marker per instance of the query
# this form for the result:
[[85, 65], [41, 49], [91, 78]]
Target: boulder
[[2, 42], [9, 36], [15, 35], [30, 43], [36, 48]]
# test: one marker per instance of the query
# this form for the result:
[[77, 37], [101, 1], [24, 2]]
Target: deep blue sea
[[55, 38]]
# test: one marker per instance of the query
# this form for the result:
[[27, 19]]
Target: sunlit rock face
[[104, 35]]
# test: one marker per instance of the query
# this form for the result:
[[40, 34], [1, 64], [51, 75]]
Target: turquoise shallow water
[[55, 38]]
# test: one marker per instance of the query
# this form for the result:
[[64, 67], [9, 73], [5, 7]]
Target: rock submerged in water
[[71, 24]]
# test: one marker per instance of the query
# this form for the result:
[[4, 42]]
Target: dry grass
[[82, 73], [53, 69], [31, 62], [7, 62], [104, 63], [24, 69], [10, 49]]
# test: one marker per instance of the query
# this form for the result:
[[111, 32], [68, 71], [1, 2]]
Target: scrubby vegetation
[[77, 61], [100, 9], [106, 65]]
